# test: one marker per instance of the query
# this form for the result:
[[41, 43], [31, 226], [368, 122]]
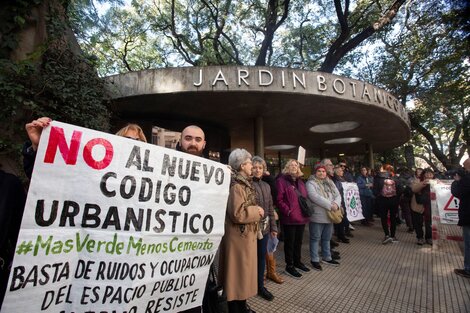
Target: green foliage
[[13, 16], [425, 63], [207, 32], [53, 81], [420, 55]]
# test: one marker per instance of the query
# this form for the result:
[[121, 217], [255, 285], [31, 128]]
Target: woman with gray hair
[[238, 260], [267, 224]]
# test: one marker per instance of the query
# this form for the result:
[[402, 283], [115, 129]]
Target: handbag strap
[[212, 273], [296, 190]]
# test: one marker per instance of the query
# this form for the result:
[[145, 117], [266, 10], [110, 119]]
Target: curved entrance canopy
[[324, 113]]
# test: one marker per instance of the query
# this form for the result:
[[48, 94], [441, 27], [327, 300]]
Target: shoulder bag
[[215, 300], [415, 206], [306, 205], [335, 216]]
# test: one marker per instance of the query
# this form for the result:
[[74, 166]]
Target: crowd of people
[[394, 198], [261, 207]]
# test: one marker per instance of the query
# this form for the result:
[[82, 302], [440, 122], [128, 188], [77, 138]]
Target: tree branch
[[429, 161], [435, 149], [271, 26], [340, 48]]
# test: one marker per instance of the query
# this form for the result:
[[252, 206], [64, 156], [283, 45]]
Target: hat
[[318, 166]]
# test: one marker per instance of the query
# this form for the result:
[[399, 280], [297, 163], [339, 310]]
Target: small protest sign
[[301, 155], [352, 200]]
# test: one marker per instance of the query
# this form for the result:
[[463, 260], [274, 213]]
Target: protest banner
[[447, 206], [352, 200], [116, 225]]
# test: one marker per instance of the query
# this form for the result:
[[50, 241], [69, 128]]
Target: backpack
[[389, 188]]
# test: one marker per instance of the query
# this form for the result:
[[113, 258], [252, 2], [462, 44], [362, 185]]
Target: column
[[259, 136], [370, 155]]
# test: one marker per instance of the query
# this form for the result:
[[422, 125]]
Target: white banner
[[447, 205], [116, 225], [352, 200]]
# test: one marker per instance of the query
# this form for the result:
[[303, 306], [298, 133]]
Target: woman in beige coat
[[238, 259]]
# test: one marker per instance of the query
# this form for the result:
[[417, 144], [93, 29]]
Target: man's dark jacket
[[461, 190]]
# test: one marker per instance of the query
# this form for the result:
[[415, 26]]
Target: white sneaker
[[387, 239], [351, 227]]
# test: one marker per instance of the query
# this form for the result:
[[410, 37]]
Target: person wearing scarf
[[238, 263], [324, 194], [268, 225]]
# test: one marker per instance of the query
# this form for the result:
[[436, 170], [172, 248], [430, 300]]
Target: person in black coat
[[12, 201], [461, 189], [387, 191], [341, 229], [268, 222]]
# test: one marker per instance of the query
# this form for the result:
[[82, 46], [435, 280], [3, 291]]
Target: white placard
[[116, 225], [447, 205], [301, 155], [352, 200]]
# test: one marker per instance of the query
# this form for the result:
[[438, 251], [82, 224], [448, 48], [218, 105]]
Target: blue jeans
[[320, 233], [466, 248]]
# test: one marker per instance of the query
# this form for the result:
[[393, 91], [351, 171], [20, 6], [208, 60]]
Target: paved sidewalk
[[398, 277]]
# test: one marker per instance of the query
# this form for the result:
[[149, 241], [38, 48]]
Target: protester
[[193, 141], [132, 131], [418, 173], [324, 194], [348, 176], [387, 191], [364, 184], [422, 194], [405, 199], [12, 201], [331, 173], [342, 229], [461, 189], [270, 259], [289, 185], [267, 224], [238, 258]]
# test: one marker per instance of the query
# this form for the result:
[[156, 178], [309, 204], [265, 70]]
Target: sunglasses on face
[[133, 138]]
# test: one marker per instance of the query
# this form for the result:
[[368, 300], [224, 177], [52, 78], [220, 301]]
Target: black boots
[[265, 294]]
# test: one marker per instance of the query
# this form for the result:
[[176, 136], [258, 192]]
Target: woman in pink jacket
[[289, 184]]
